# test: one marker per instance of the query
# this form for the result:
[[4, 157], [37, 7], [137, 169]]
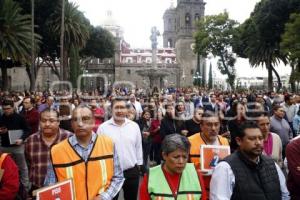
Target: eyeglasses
[[48, 120], [6, 108], [82, 119], [210, 125]]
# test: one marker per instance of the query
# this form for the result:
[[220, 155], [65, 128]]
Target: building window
[[168, 61], [197, 17], [148, 60], [129, 60], [128, 71], [170, 43], [192, 72], [187, 19]]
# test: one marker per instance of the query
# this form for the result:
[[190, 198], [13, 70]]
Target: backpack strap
[[2, 157]]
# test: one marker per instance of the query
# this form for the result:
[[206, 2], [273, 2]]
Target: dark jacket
[[254, 181], [13, 122], [169, 126]]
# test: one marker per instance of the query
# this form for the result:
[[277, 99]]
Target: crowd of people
[[106, 143]]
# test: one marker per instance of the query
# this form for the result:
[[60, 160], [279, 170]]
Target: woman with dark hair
[[144, 124], [236, 116], [156, 138], [170, 124]]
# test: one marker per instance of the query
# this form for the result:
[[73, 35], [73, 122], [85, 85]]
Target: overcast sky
[[136, 17]]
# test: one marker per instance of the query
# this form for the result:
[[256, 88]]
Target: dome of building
[[112, 25], [109, 20]]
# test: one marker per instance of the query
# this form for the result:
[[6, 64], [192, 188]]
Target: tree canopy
[[15, 38], [215, 35], [259, 37], [100, 44]]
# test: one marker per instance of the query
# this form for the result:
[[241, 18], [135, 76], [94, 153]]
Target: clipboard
[[14, 135]]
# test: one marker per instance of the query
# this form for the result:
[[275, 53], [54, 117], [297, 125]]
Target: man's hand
[[97, 198], [19, 142], [184, 132], [146, 134], [298, 168]]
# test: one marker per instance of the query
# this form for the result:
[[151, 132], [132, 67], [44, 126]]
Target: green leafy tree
[[75, 70], [290, 45], [259, 36], [100, 44], [15, 37], [214, 35], [76, 31], [49, 46]]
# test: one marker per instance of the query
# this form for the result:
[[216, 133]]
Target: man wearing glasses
[[89, 159], [209, 135]]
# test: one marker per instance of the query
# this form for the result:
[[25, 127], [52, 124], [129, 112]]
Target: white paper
[[14, 135]]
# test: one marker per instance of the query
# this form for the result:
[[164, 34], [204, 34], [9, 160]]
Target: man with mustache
[[89, 159], [38, 145], [247, 174], [209, 135]]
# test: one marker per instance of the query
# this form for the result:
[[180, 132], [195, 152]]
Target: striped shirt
[[84, 152], [37, 153]]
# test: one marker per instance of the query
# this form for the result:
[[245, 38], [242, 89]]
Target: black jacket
[[13, 122], [254, 181], [169, 126]]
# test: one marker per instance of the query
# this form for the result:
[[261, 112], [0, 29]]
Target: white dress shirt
[[223, 180], [127, 139], [138, 108]]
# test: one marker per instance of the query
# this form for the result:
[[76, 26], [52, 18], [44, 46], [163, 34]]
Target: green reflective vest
[[189, 186]]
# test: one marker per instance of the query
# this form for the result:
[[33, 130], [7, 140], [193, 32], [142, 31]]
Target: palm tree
[[259, 41], [76, 28], [15, 38]]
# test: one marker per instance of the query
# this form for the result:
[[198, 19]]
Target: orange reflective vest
[[90, 178], [196, 141]]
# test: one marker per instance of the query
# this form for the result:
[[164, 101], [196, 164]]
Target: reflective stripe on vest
[[69, 171], [104, 175], [90, 177], [189, 186]]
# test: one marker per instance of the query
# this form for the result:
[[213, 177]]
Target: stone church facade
[[179, 27]]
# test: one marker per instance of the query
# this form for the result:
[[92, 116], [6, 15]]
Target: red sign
[[60, 191]]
